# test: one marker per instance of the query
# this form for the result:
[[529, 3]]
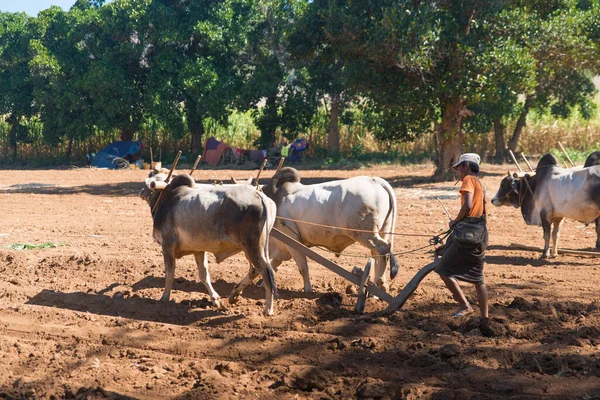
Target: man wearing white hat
[[464, 253]]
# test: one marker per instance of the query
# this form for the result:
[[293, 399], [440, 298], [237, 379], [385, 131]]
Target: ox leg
[[239, 288], [268, 277], [546, 226], [380, 250], [597, 221], [555, 236], [302, 264], [169, 274], [259, 264], [204, 274]]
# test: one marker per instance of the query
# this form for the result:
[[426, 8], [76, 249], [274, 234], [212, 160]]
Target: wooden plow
[[360, 277]]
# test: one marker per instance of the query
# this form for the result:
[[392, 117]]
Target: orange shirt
[[470, 184]]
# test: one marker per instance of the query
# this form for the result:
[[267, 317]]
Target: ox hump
[[287, 174], [181, 180]]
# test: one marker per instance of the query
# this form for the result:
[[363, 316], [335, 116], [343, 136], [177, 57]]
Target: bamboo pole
[[195, 164], [260, 171], [561, 251], [512, 155], [565, 153], [281, 160], [151, 159], [526, 162]]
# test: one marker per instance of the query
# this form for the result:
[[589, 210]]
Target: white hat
[[468, 157]]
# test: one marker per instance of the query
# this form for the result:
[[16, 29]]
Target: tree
[[271, 87], [550, 67], [326, 71], [17, 31], [192, 54], [60, 66], [116, 79], [424, 64]]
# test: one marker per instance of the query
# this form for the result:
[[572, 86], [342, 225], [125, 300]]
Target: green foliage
[[253, 71], [33, 246]]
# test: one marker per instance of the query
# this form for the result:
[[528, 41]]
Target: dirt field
[[81, 320]]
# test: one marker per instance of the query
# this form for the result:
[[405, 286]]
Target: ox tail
[[270, 274], [394, 266]]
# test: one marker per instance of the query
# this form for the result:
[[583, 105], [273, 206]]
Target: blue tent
[[112, 156]]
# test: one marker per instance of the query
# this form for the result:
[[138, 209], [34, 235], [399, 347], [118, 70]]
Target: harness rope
[[350, 229], [433, 241]]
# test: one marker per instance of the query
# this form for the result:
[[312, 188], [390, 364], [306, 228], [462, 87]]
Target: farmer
[[463, 260]]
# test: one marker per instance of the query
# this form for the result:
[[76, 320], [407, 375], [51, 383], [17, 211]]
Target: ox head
[[156, 175], [508, 192]]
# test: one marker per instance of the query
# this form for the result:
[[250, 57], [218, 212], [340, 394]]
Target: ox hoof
[[164, 299], [233, 298], [383, 286], [268, 313], [219, 305]]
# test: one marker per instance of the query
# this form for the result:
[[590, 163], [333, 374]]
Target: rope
[[350, 229], [373, 256], [433, 241]]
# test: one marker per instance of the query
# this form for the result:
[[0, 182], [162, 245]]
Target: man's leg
[[457, 293], [482, 298]]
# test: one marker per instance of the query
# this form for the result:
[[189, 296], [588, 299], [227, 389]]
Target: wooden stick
[[281, 160], [167, 181], [512, 155], [158, 185], [563, 251], [445, 209], [151, 159], [261, 170], [173, 166], [293, 243], [523, 174], [565, 153], [195, 164], [526, 162], [409, 289]]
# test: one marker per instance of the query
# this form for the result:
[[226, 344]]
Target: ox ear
[[508, 173]]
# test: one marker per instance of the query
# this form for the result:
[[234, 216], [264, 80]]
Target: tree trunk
[[449, 140], [195, 126], [197, 134], [500, 155], [333, 137], [268, 122], [12, 137], [514, 140], [69, 150], [126, 134]]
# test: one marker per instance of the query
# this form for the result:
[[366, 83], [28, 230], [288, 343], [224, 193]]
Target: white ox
[[334, 215], [558, 193], [194, 219]]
